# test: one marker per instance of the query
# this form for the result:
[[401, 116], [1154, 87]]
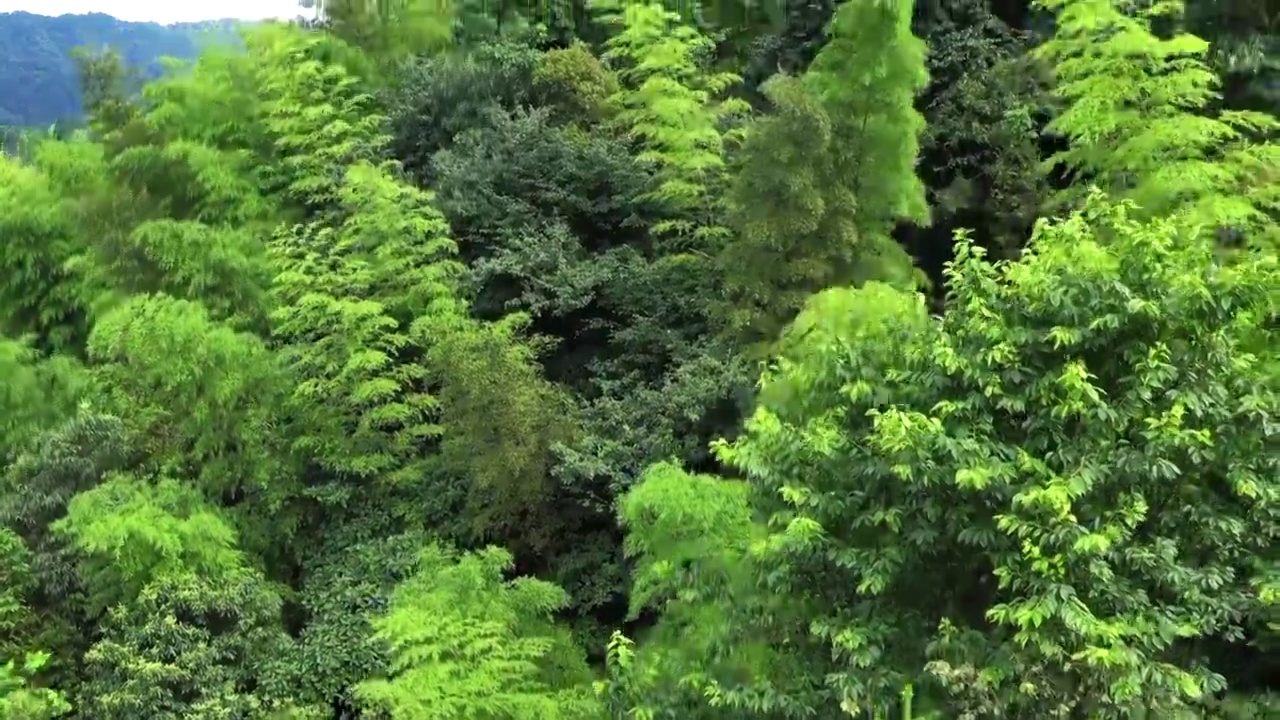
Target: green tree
[[198, 397], [130, 532], [351, 572], [545, 205], [827, 176], [370, 367], [36, 488], [1035, 489], [38, 295], [672, 107], [466, 643], [188, 646], [17, 622], [188, 624], [18, 700], [107, 87], [1138, 117], [690, 539], [390, 30], [980, 148]]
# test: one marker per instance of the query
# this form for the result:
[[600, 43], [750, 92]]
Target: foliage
[[351, 578], [467, 644], [1243, 35], [18, 700], [644, 361], [132, 533], [1134, 105], [981, 144], [187, 646], [669, 107], [828, 176], [38, 241], [1040, 478], [391, 30], [208, 394], [18, 580]]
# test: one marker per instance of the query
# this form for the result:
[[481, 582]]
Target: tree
[[467, 644], [390, 30], [827, 177], [1136, 114], [670, 106], [37, 296], [1039, 485], [188, 646], [19, 700], [197, 396]]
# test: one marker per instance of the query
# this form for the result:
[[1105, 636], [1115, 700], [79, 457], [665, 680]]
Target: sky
[[161, 11]]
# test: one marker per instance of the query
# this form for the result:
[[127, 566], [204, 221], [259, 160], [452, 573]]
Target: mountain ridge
[[39, 83]]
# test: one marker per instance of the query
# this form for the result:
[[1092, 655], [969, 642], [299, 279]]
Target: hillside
[[38, 84], [584, 360]]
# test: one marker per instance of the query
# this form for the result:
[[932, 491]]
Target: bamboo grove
[[630, 361]]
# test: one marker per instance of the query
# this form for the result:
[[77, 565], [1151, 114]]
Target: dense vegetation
[[38, 79], [806, 360]]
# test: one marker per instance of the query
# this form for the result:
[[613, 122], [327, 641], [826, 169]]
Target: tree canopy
[[640, 361]]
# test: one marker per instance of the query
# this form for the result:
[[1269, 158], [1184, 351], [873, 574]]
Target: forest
[[782, 360]]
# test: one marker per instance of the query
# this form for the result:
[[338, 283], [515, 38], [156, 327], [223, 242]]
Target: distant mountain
[[38, 80]]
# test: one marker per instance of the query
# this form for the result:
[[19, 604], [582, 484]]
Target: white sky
[[161, 11]]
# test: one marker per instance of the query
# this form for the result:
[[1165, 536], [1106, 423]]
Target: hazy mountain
[[38, 80]]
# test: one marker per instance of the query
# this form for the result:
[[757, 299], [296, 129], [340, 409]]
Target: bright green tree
[[674, 109], [1138, 115], [467, 643], [19, 700], [198, 396]]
